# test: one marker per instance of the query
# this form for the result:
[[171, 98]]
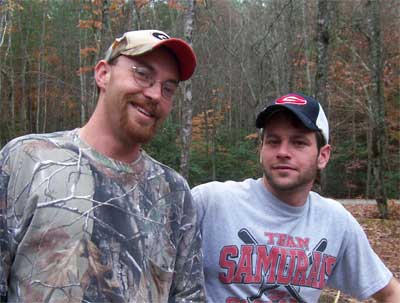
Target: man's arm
[[188, 281], [4, 239], [390, 293]]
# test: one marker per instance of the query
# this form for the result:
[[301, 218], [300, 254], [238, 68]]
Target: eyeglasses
[[145, 78]]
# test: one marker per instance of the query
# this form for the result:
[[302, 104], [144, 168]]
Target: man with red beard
[[273, 239], [86, 215]]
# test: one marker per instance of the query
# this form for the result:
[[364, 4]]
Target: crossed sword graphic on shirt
[[248, 238]]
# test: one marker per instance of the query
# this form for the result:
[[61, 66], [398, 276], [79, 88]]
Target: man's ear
[[102, 74], [324, 155]]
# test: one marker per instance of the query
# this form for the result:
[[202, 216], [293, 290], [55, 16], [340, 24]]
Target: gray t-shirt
[[259, 249]]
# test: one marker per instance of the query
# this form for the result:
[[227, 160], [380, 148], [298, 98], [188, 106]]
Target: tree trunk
[[214, 151], [82, 77], [24, 108], [40, 73], [101, 34], [11, 89], [288, 68], [306, 47], [322, 68], [378, 113], [187, 107], [321, 75], [368, 189], [136, 7], [3, 30], [43, 64]]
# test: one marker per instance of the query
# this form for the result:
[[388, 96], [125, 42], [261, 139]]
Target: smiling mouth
[[143, 111]]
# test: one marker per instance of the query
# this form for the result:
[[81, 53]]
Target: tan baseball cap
[[139, 42]]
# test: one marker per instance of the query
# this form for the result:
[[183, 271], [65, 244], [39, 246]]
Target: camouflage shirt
[[76, 226]]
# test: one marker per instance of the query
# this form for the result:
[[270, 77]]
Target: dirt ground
[[384, 236]]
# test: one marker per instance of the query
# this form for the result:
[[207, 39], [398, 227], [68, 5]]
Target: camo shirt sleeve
[[5, 261], [188, 279], [76, 226]]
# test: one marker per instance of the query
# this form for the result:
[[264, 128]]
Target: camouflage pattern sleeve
[[76, 226], [188, 281], [4, 239]]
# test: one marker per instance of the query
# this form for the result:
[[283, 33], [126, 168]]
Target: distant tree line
[[345, 53]]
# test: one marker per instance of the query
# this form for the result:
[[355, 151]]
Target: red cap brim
[[185, 55]]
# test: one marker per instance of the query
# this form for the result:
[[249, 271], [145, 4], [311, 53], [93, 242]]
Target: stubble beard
[[134, 132], [301, 181]]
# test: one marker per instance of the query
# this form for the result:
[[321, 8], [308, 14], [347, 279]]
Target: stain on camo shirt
[[76, 226]]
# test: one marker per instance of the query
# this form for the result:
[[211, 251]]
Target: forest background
[[346, 53]]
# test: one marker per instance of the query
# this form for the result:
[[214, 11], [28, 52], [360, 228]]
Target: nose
[[154, 91], [283, 150]]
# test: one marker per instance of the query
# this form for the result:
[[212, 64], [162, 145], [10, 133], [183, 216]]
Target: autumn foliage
[[248, 53]]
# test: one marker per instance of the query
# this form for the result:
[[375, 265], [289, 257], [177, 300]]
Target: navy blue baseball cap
[[307, 109]]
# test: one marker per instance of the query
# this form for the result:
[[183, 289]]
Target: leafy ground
[[384, 236]]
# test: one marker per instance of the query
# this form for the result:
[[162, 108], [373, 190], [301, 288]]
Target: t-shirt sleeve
[[359, 272], [200, 203]]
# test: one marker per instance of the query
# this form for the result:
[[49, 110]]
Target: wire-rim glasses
[[145, 78]]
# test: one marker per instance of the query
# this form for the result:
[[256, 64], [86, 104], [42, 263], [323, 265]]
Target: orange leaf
[[174, 4], [87, 50], [85, 69], [140, 3]]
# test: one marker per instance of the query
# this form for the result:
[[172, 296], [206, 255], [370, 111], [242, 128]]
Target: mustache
[[147, 105]]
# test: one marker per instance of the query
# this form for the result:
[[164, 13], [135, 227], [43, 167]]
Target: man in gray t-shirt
[[275, 240]]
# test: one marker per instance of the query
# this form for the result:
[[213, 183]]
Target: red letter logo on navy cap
[[291, 99]]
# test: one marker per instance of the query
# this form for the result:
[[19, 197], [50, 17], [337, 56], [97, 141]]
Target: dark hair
[[320, 140], [318, 134], [113, 61]]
